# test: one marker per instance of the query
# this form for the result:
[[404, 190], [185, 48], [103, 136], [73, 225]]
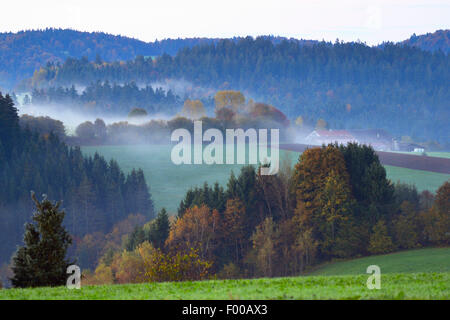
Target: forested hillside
[[96, 194], [349, 85], [438, 40], [24, 52]]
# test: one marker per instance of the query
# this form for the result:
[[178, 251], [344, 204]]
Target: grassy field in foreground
[[419, 260], [414, 274], [393, 286], [169, 182]]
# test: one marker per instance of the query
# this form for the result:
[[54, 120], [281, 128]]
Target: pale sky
[[371, 21]]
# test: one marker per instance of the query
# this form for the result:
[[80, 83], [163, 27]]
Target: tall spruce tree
[[9, 124], [370, 186], [42, 260], [160, 229]]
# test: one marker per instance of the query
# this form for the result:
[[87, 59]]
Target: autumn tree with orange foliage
[[436, 221], [267, 113], [322, 191], [232, 233]]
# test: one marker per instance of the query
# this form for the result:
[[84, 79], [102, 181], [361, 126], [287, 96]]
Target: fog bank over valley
[[72, 116]]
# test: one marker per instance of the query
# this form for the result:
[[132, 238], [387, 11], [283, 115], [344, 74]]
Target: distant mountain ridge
[[24, 52], [438, 40]]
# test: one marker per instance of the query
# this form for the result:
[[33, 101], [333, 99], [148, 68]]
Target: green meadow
[[423, 180], [393, 286], [413, 274], [419, 260], [406, 285], [169, 182]]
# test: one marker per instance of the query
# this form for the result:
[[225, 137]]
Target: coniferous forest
[[96, 194], [104, 98]]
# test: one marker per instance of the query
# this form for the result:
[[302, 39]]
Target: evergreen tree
[[370, 187], [2, 155], [186, 203], [9, 124], [135, 238], [41, 261], [159, 231], [247, 193], [138, 198]]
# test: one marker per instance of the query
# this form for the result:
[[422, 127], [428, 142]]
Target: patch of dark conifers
[[416, 162]]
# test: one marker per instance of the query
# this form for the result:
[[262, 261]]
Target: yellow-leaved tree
[[229, 98], [193, 109]]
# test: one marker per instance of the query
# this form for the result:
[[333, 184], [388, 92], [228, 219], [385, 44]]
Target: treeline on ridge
[[111, 99], [24, 50]]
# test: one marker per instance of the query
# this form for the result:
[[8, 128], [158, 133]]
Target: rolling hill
[[24, 52], [411, 261], [438, 40]]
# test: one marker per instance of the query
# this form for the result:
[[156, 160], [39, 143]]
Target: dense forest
[[96, 193], [23, 52], [350, 85], [110, 99], [335, 203]]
